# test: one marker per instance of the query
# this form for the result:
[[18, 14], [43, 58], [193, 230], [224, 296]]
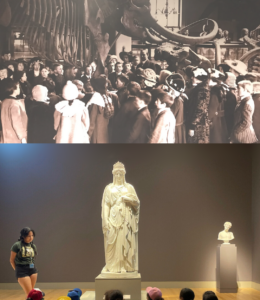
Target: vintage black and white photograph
[[130, 71]]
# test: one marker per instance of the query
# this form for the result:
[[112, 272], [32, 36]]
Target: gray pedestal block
[[130, 286], [226, 271]]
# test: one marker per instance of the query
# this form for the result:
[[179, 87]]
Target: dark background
[[186, 195]]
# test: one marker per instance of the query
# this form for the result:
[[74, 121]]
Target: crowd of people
[[131, 100], [153, 293]]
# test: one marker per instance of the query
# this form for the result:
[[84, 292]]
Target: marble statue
[[120, 218], [225, 235]]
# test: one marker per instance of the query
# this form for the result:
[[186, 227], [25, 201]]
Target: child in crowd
[[71, 118], [154, 293]]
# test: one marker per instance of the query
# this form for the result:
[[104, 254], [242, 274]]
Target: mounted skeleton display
[[77, 31]]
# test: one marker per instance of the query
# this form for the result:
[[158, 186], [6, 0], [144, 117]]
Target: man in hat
[[231, 101], [256, 115], [140, 123], [121, 83], [145, 62], [113, 76], [7, 57]]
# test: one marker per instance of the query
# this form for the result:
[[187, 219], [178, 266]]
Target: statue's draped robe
[[121, 240]]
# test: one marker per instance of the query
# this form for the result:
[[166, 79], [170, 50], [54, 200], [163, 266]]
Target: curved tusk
[[177, 37], [151, 38], [250, 54]]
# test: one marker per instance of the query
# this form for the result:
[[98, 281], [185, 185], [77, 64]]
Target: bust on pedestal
[[120, 218], [226, 271], [225, 235]]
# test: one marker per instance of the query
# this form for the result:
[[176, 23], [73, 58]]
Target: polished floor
[[168, 294]]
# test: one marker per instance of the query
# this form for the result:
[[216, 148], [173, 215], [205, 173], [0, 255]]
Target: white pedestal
[[90, 295], [128, 284], [226, 271]]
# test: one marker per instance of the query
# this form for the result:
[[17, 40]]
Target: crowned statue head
[[118, 174]]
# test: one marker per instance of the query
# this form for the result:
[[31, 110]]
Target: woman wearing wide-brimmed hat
[[198, 124], [176, 84], [126, 57], [218, 126], [146, 78], [231, 101]]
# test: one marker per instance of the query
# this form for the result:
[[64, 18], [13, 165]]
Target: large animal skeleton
[[63, 29]]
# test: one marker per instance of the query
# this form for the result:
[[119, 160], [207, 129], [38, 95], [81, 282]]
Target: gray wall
[[256, 215], [186, 194]]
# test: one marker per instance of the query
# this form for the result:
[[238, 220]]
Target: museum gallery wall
[[186, 195], [256, 214]]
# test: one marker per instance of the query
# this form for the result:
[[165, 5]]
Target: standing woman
[[22, 260], [102, 108], [13, 115], [198, 124]]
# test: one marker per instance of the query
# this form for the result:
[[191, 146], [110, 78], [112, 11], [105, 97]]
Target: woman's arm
[[12, 258], [93, 113]]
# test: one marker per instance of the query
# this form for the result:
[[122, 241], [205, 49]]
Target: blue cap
[[73, 295]]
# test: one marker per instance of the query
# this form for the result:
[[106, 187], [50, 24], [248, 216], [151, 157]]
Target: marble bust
[[120, 218], [225, 235]]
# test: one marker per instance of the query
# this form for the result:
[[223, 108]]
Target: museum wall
[[256, 214], [186, 194]]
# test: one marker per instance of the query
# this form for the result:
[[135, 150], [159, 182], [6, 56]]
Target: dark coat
[[47, 82], [59, 81], [140, 129], [218, 127], [31, 78], [26, 88], [198, 114], [229, 107], [178, 110], [256, 115], [147, 65], [40, 123], [113, 77], [2, 89], [243, 131], [122, 120], [122, 95]]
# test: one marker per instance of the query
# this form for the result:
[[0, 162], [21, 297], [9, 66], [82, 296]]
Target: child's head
[[187, 294], [153, 293]]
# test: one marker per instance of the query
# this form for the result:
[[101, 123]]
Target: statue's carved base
[[129, 283], [226, 271]]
